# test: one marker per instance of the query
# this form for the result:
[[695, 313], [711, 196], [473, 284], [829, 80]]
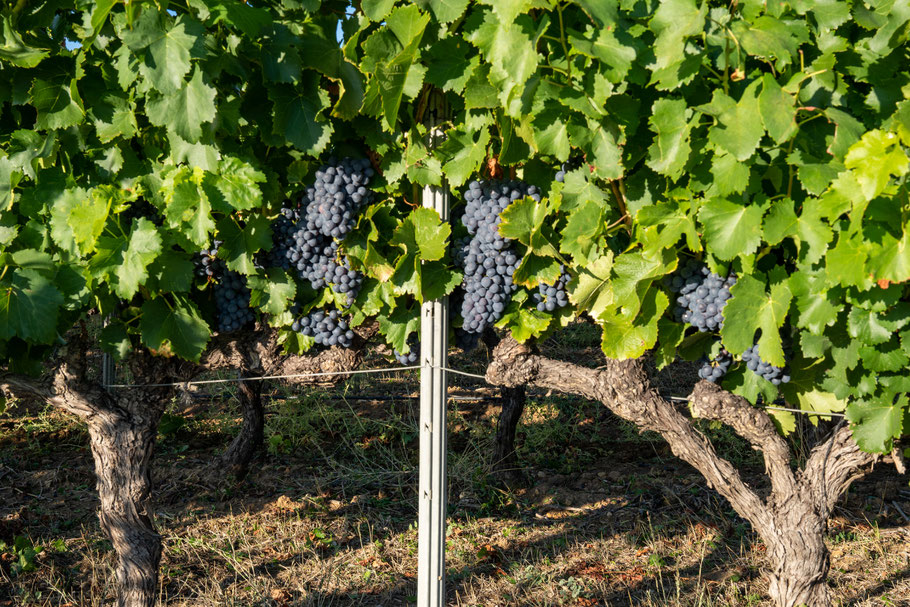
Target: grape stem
[[621, 203]]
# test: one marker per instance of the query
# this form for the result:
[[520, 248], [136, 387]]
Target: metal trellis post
[[433, 347]]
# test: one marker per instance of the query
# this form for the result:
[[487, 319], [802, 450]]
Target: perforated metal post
[[431, 531]]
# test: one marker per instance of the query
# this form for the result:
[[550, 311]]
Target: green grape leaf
[[238, 182], [240, 244], [591, 290], [452, 66], [58, 104], [673, 22], [173, 272], [296, 114], [876, 423], [144, 246], [250, 20], [602, 11], [730, 175], [731, 229], [15, 50], [524, 323], [890, 260], [445, 11], [770, 38], [874, 159], [461, 154], [29, 306], [274, 293], [623, 340], [115, 341], [752, 309], [846, 262], [398, 325], [778, 110], [422, 233], [868, 327], [526, 221], [87, 217], [509, 48], [166, 53], [579, 237], [670, 150], [739, 128], [174, 328], [186, 109]]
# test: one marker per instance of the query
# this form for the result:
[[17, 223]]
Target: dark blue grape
[[775, 375]]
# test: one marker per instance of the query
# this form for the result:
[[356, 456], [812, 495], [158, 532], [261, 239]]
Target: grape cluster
[[283, 230], [232, 302], [488, 258], [713, 370], [550, 297], [329, 213], [232, 296], [702, 296], [413, 354], [327, 328], [466, 341], [775, 375]]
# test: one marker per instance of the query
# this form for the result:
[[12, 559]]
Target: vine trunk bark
[[505, 459], [122, 446], [798, 558], [249, 440]]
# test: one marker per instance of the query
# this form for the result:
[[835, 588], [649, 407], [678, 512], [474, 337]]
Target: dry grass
[[607, 517]]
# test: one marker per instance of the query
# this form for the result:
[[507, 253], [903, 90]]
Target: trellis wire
[[393, 370]]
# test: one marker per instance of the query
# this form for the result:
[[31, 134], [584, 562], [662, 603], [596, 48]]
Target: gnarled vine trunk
[[249, 439], [791, 520], [798, 558], [122, 445], [505, 460]]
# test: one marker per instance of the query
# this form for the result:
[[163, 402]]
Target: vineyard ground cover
[[326, 516]]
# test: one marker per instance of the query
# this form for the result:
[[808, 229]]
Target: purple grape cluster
[[327, 328], [775, 375], [550, 297], [232, 296], [713, 370], [329, 213], [413, 354], [488, 258], [701, 296]]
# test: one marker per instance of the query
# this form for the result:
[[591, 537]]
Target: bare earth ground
[[327, 517]]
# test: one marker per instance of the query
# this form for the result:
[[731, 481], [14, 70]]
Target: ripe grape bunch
[[714, 369], [330, 213], [327, 328], [232, 296], [702, 296], [413, 354], [488, 258], [550, 297], [775, 375], [283, 230]]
